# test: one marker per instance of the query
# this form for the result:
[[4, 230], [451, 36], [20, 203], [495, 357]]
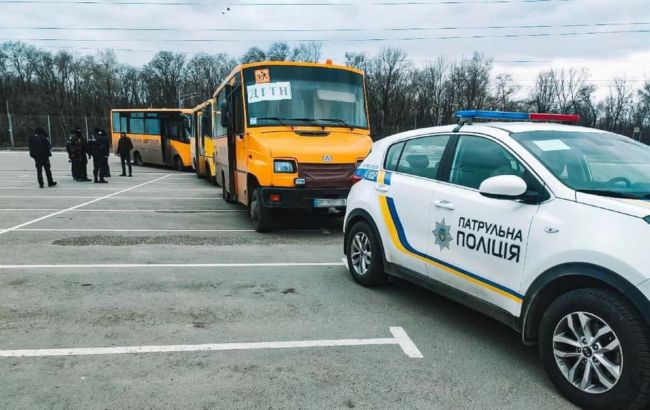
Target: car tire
[[178, 164], [363, 251], [137, 159], [261, 215], [566, 350]]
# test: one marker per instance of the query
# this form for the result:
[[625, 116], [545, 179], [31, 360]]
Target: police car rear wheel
[[596, 349], [364, 256]]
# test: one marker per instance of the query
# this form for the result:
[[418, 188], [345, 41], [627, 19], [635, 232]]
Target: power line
[[347, 40], [310, 30], [277, 4]]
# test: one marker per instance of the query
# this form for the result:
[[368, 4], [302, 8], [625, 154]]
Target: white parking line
[[112, 196], [180, 211], [173, 265], [399, 338], [94, 188], [128, 230], [13, 228]]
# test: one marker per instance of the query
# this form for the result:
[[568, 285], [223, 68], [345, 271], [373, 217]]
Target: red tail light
[[356, 178]]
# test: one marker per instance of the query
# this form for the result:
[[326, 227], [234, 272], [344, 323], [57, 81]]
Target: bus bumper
[[304, 198]]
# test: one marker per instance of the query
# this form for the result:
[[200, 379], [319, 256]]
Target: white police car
[[543, 226]]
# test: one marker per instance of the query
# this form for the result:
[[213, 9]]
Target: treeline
[[68, 89]]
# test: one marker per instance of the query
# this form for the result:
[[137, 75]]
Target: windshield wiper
[[278, 119], [612, 194], [311, 120], [336, 120]]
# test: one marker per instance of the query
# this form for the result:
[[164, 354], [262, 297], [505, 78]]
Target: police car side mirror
[[504, 187]]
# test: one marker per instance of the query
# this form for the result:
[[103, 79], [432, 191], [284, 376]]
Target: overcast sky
[[626, 53]]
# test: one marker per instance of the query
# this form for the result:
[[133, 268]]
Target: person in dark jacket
[[77, 151], [98, 148], [40, 149], [124, 147]]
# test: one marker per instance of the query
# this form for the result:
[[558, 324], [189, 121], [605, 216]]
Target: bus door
[[166, 125], [171, 128], [236, 142]]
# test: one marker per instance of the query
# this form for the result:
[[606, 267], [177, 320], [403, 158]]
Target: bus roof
[[298, 64], [181, 110]]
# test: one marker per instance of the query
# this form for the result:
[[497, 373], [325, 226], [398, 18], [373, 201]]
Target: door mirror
[[503, 187], [225, 114]]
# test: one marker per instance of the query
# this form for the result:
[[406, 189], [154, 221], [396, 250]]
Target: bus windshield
[[294, 95], [597, 163]]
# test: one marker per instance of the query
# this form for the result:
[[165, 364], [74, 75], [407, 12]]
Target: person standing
[[98, 150], [40, 149], [124, 147], [77, 150]]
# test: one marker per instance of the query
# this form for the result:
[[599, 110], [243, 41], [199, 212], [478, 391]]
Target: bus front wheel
[[260, 214]]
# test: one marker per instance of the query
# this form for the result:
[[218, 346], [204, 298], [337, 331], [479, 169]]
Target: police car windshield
[[593, 162]]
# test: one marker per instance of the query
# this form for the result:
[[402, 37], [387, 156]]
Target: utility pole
[[11, 129], [49, 128]]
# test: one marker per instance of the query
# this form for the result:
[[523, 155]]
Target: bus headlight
[[284, 167]]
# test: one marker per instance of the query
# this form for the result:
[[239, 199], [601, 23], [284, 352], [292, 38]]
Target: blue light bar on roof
[[505, 115], [493, 115]]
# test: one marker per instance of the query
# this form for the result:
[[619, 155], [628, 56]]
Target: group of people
[[80, 151]]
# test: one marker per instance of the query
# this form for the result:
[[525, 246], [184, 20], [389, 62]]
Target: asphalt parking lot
[[161, 295]]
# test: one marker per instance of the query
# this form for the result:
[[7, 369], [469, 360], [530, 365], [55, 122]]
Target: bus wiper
[[311, 120], [612, 194], [278, 119], [345, 124]]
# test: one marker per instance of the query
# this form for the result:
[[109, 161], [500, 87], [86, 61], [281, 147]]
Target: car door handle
[[444, 204], [381, 188]]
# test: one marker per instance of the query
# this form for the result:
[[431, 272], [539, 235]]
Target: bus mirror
[[225, 114]]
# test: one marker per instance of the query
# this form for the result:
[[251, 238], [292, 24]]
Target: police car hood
[[634, 207], [336, 147]]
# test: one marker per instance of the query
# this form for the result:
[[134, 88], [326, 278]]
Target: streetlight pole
[[11, 128]]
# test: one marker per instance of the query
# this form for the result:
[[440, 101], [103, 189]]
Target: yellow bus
[[201, 142], [160, 136], [289, 135]]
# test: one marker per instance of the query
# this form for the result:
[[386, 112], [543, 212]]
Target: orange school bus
[[289, 135], [201, 142], [160, 136]]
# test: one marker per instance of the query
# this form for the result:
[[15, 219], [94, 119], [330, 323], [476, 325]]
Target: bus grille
[[327, 175]]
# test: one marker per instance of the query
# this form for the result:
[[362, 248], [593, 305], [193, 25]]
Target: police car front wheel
[[364, 256], [596, 349]]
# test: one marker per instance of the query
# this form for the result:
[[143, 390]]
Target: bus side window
[[206, 126], [116, 122], [221, 131]]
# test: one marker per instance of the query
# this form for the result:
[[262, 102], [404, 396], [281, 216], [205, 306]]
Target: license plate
[[329, 203]]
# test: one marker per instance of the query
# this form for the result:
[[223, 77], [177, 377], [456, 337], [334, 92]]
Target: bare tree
[[504, 90], [278, 52], [163, 77], [617, 105], [253, 55], [308, 52], [543, 96]]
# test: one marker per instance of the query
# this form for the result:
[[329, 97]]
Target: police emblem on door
[[327, 158], [443, 234]]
